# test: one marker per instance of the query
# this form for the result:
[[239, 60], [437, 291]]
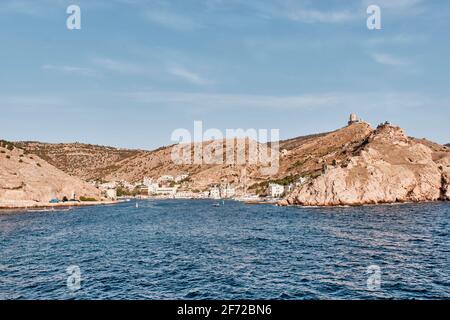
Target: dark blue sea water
[[191, 250]]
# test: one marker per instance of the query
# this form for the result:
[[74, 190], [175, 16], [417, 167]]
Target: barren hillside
[[86, 161], [26, 180], [305, 157]]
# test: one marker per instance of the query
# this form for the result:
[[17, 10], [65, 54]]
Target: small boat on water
[[216, 205]]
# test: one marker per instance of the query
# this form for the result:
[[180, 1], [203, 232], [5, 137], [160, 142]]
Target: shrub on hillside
[[86, 199]]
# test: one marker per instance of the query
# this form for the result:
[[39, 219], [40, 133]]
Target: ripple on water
[[190, 250]]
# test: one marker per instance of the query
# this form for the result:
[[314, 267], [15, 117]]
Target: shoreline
[[62, 205]]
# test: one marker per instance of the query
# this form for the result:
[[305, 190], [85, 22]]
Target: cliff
[[27, 180], [386, 167]]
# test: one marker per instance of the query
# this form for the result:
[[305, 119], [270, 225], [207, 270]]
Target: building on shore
[[214, 193], [166, 191], [227, 191], [111, 194], [152, 188], [108, 185], [275, 190], [181, 177]]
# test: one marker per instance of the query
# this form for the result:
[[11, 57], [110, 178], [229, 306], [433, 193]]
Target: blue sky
[[137, 70]]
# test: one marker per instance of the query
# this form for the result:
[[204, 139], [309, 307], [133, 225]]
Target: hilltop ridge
[[387, 167], [355, 164]]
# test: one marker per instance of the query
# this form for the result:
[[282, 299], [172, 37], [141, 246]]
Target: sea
[[194, 249]]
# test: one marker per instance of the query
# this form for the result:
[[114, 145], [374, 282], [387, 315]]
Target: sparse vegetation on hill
[[31, 181]]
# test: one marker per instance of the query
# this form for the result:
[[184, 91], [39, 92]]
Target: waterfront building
[[108, 185], [214, 193], [111, 194], [275, 190], [152, 188], [166, 191], [227, 191]]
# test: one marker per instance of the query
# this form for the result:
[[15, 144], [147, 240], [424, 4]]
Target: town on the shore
[[173, 187]]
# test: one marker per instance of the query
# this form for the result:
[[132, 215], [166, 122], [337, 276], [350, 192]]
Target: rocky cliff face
[[387, 167], [26, 180]]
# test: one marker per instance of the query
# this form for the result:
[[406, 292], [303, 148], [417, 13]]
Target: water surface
[[192, 250]]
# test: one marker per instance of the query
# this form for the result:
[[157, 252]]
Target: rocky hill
[[86, 161], [27, 180], [352, 165], [301, 156], [386, 167]]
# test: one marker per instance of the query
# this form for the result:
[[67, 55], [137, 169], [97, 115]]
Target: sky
[[138, 70]]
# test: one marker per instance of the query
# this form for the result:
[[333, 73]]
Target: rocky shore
[[387, 167]]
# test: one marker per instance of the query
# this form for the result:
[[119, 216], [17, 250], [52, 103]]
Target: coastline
[[19, 206]]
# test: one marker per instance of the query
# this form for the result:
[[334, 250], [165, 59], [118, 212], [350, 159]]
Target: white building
[[214, 193], [147, 181], [166, 191], [181, 177], [275, 190], [165, 178], [111, 194], [152, 188], [227, 191], [108, 185]]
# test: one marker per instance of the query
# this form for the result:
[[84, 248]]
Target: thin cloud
[[387, 59], [32, 101], [121, 66], [171, 20], [394, 4], [325, 101], [71, 70], [188, 75], [315, 16]]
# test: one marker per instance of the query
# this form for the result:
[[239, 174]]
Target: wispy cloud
[[71, 70], [387, 59], [122, 67], [188, 75], [302, 12], [31, 101], [394, 4], [399, 39], [324, 101], [171, 20], [315, 16]]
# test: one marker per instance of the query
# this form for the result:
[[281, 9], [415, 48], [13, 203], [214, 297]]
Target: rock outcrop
[[27, 180], [387, 167]]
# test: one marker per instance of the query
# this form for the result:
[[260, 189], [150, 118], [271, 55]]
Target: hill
[[86, 161], [312, 158], [27, 180], [299, 156], [386, 167]]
